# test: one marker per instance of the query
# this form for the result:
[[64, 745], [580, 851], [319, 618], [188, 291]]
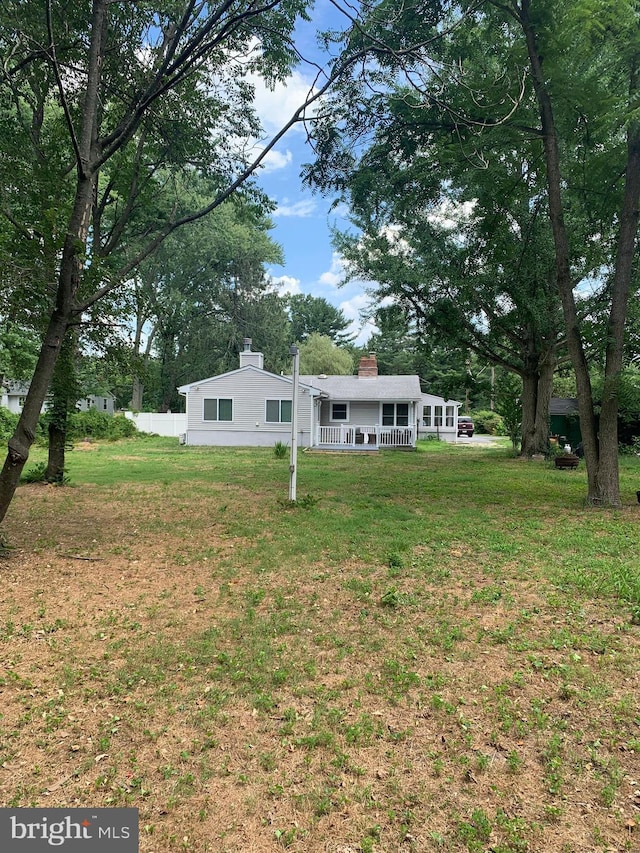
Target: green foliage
[[38, 474], [313, 314], [94, 424], [201, 293], [318, 354], [280, 450], [18, 349], [8, 423], [488, 422], [509, 406]]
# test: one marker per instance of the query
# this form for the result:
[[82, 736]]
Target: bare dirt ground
[[248, 712]]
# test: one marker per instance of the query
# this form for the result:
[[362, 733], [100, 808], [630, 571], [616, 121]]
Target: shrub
[[280, 450], [488, 422], [94, 424], [37, 474], [8, 421]]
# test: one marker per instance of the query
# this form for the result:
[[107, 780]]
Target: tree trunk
[[64, 396], [68, 282], [25, 432], [595, 478], [608, 473], [71, 266], [529, 406], [537, 387], [57, 445], [137, 393]]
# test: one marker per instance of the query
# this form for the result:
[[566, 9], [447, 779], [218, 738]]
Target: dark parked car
[[465, 426]]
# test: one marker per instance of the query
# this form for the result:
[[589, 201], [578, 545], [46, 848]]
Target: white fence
[[159, 423]]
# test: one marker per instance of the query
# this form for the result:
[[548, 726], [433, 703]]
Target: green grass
[[438, 498], [390, 659]]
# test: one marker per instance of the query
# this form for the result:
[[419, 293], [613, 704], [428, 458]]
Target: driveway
[[481, 440]]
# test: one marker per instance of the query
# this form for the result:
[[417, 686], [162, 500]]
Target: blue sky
[[303, 220]]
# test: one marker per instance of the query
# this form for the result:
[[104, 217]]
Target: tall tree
[[469, 259], [613, 30], [115, 100], [319, 354], [311, 314], [558, 82], [194, 297]]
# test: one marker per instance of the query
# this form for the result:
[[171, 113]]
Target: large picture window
[[218, 410], [278, 412], [395, 414]]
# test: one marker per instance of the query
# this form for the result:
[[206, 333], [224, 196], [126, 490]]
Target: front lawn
[[431, 651]]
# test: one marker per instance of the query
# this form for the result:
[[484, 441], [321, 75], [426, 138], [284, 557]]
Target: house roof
[[435, 399], [366, 387], [336, 387], [14, 387], [184, 389], [563, 406]]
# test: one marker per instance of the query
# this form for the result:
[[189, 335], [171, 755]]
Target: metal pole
[[293, 462]]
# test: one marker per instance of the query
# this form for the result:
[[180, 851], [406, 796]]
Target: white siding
[[248, 389], [367, 414]]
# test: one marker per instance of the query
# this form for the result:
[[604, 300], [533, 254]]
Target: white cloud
[[276, 160], [334, 276], [354, 309], [302, 208], [276, 106], [285, 285]]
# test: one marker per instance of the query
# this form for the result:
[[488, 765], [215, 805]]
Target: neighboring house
[[252, 407], [104, 403], [14, 394]]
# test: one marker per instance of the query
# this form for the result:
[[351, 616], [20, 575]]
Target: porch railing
[[351, 435]]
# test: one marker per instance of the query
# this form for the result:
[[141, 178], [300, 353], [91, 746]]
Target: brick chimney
[[368, 365]]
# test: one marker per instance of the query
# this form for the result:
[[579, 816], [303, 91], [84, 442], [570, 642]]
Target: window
[[449, 415], [218, 410], [21, 401], [437, 420], [278, 411], [426, 416], [339, 412], [395, 414], [105, 404]]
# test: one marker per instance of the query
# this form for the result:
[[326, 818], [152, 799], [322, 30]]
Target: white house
[[14, 394], [252, 407]]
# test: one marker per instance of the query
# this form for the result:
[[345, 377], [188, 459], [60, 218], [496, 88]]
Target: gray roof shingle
[[366, 388]]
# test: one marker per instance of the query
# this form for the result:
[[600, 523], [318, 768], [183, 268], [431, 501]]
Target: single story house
[[252, 407], [14, 394]]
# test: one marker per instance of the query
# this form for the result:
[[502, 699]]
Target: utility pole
[[293, 462]]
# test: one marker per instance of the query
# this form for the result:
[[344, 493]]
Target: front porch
[[353, 437]]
